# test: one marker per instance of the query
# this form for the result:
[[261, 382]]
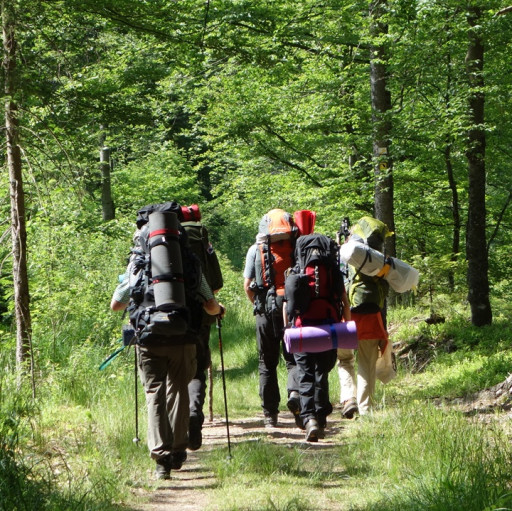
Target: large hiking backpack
[[313, 293], [164, 279], [314, 286], [275, 247], [371, 272], [366, 287], [200, 244]]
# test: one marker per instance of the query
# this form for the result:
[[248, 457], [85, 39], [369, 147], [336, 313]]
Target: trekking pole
[[224, 383], [210, 392]]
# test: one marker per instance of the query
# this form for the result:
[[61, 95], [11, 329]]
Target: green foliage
[[160, 175], [72, 283], [243, 107], [432, 460], [453, 358], [34, 474]]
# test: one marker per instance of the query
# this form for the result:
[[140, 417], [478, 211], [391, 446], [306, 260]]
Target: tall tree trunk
[[381, 108], [476, 245], [107, 203], [18, 221]]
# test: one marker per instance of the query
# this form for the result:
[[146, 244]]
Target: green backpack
[[202, 248], [363, 289]]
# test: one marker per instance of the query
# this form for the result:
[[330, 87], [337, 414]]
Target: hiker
[[266, 261], [203, 249], [166, 314], [315, 297], [367, 295]]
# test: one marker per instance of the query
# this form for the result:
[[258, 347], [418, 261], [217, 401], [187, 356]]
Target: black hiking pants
[[313, 375], [197, 386], [269, 336]]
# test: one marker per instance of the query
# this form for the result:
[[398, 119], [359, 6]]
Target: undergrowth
[[72, 447]]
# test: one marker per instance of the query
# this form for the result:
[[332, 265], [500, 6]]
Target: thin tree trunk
[[455, 210], [381, 108], [107, 203], [476, 245], [18, 220], [457, 226]]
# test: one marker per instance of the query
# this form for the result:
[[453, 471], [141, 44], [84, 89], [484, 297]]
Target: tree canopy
[[245, 106]]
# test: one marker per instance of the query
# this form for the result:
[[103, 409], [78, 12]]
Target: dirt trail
[[189, 489]]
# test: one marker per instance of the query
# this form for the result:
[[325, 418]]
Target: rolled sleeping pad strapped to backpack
[[166, 263], [401, 276], [314, 339]]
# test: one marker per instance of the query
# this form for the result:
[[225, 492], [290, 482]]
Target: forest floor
[[190, 489]]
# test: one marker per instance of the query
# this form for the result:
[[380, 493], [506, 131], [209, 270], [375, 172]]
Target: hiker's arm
[[121, 296], [117, 306], [210, 304], [345, 306], [250, 273], [248, 291]]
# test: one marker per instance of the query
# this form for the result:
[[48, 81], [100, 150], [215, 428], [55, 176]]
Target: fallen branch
[[505, 10]]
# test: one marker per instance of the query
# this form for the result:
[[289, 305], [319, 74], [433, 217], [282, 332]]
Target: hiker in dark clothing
[[266, 294], [202, 247], [315, 297]]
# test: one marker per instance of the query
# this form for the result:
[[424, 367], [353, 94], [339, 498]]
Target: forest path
[[189, 489]]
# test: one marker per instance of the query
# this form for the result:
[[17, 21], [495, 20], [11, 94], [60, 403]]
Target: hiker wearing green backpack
[[265, 266], [166, 295], [201, 246], [367, 295]]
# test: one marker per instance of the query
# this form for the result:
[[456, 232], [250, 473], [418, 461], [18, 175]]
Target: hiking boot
[[163, 468], [349, 408], [293, 405], [195, 436], [312, 430], [270, 420], [177, 459]]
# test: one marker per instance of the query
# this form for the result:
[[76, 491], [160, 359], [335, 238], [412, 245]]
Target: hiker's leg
[[325, 361], [292, 382], [153, 372], [197, 386], [181, 369], [269, 353], [367, 355], [306, 374], [346, 374]]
